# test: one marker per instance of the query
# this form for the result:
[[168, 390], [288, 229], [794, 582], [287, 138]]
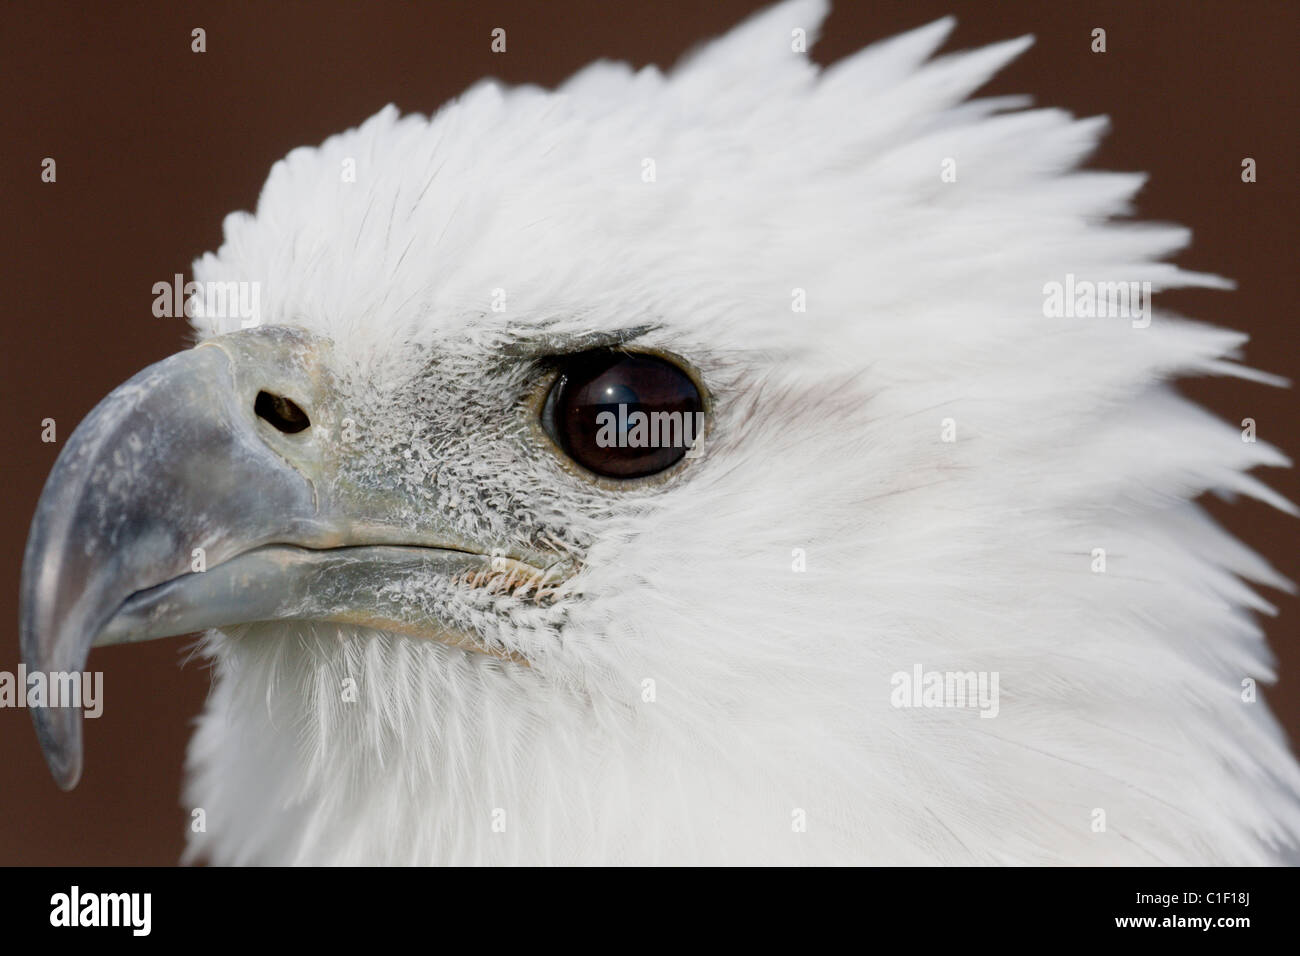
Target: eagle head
[[623, 472]]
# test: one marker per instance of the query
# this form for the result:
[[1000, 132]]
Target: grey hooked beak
[[174, 508], [163, 466]]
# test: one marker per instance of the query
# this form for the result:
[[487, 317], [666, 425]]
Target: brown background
[[155, 144]]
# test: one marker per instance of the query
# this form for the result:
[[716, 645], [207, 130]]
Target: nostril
[[281, 412]]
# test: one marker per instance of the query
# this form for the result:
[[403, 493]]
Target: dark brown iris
[[623, 415]]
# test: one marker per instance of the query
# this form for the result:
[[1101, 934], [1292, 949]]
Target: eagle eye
[[623, 415], [283, 413]]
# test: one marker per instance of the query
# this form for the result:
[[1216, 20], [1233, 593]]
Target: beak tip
[[59, 734]]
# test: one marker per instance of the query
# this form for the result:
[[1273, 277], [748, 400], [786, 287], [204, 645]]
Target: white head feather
[[691, 697]]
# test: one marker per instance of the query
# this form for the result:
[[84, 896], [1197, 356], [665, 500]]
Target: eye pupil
[[623, 415]]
